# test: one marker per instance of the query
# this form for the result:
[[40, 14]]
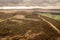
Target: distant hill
[[54, 11]]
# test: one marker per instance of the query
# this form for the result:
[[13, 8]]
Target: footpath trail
[[55, 25], [42, 24]]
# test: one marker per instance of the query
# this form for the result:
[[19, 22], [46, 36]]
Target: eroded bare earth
[[24, 26]]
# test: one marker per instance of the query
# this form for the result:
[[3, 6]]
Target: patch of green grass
[[56, 17]]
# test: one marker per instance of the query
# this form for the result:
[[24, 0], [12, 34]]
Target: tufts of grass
[[56, 17]]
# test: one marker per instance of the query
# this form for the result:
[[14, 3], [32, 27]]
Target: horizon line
[[29, 7]]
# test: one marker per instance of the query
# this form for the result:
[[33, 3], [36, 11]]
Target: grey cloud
[[30, 2]]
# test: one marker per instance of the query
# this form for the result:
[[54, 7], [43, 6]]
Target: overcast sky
[[29, 2]]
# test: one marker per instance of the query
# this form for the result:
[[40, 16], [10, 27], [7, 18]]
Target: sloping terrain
[[23, 27]]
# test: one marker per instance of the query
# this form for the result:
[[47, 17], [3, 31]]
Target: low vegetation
[[25, 30], [51, 15]]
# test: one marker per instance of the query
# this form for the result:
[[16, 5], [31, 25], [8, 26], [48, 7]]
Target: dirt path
[[52, 25], [38, 25]]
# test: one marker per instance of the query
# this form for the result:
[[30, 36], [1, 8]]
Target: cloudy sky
[[29, 2]]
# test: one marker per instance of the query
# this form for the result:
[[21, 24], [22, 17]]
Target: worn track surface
[[24, 29]]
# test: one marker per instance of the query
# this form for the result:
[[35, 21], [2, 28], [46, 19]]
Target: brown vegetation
[[27, 29]]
